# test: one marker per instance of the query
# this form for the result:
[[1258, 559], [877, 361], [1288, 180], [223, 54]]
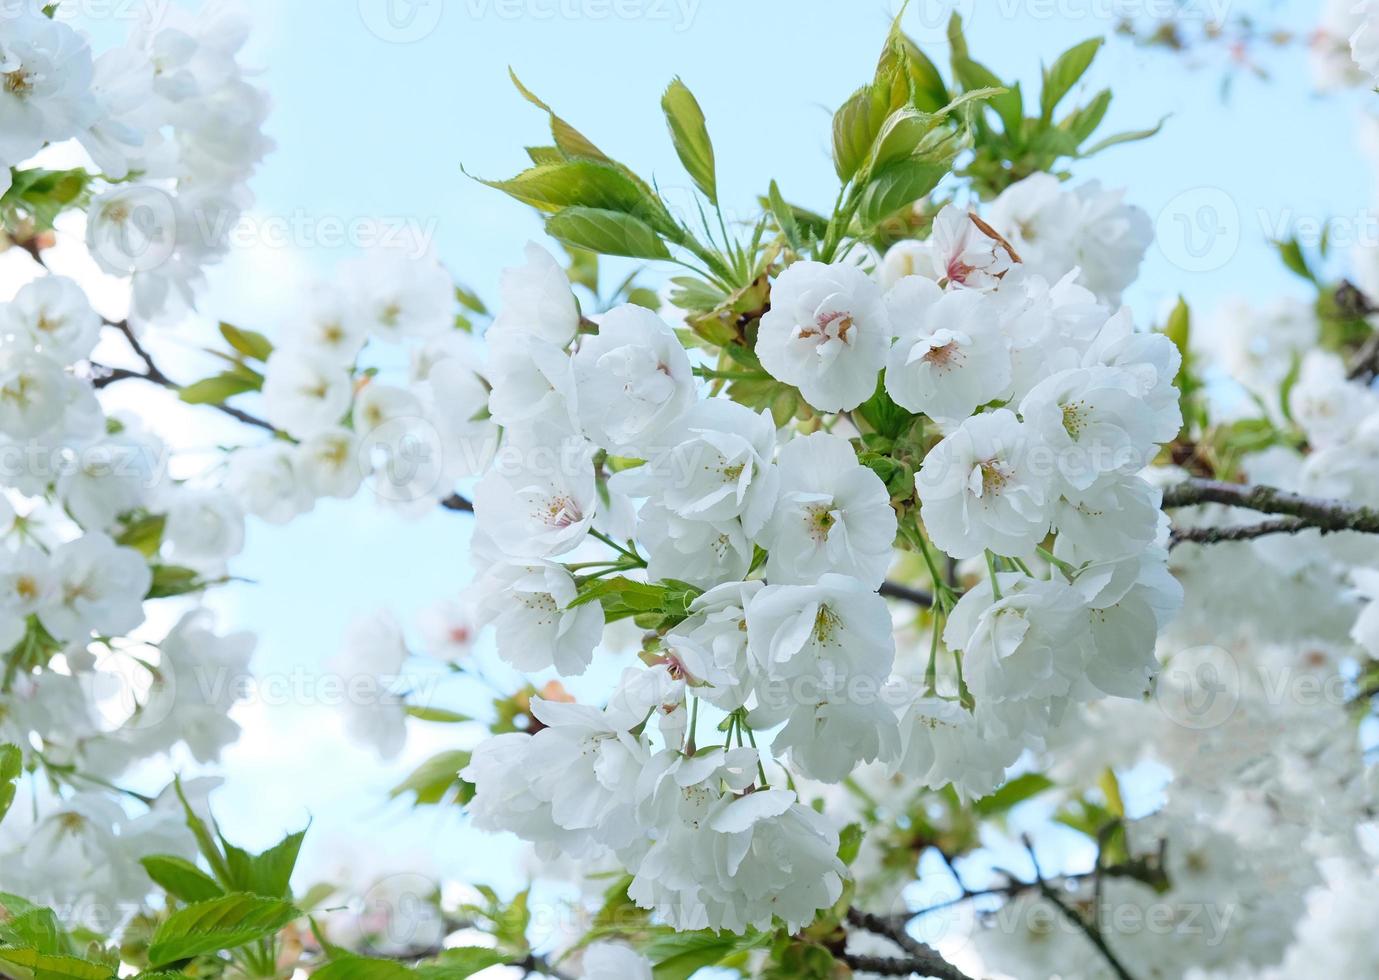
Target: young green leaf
[[46, 966], [180, 878], [607, 232], [217, 924], [11, 765], [247, 342], [1065, 72], [690, 135]]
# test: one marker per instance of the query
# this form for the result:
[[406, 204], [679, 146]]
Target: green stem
[[991, 570]]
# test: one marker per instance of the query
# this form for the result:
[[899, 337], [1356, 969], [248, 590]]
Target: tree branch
[[895, 590], [920, 959], [1238, 532], [1325, 515], [1089, 929]]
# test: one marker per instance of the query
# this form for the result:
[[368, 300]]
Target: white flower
[[828, 739], [536, 300], [1028, 644], [100, 587], [979, 489], [1116, 518], [614, 961], [1257, 346], [138, 228], [45, 71], [699, 552], [1093, 422], [527, 605], [394, 296], [447, 630], [711, 645], [829, 633], [111, 477], [719, 466], [1327, 405], [533, 383], [720, 866], [832, 515], [943, 744], [950, 356], [1050, 327], [1056, 231], [369, 663], [305, 393], [27, 584], [33, 393], [266, 481], [960, 253], [330, 463], [326, 327], [543, 505], [1365, 631], [587, 766], [826, 333], [204, 526], [1129, 602], [458, 396], [906, 257], [633, 380], [1364, 43], [191, 710], [1151, 361], [54, 315], [507, 799]]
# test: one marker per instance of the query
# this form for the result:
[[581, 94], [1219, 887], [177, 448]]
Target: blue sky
[[367, 126]]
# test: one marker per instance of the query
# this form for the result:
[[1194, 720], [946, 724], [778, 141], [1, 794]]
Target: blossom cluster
[[772, 544]]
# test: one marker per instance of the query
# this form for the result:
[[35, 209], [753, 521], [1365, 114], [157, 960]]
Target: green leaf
[[46, 966], [11, 766], [470, 300], [144, 535], [897, 186], [435, 779], [205, 842], [785, 218], [1290, 251], [1065, 72], [678, 956], [1009, 103], [1131, 137], [1081, 123], [690, 135], [44, 194], [439, 715], [270, 873], [174, 580], [216, 390], [247, 342], [218, 924], [463, 961], [586, 183], [568, 140], [1017, 790], [38, 929], [606, 232], [180, 878], [362, 968], [849, 843]]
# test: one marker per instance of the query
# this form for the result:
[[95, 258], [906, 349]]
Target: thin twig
[[1239, 532], [895, 590], [919, 958], [1089, 929]]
